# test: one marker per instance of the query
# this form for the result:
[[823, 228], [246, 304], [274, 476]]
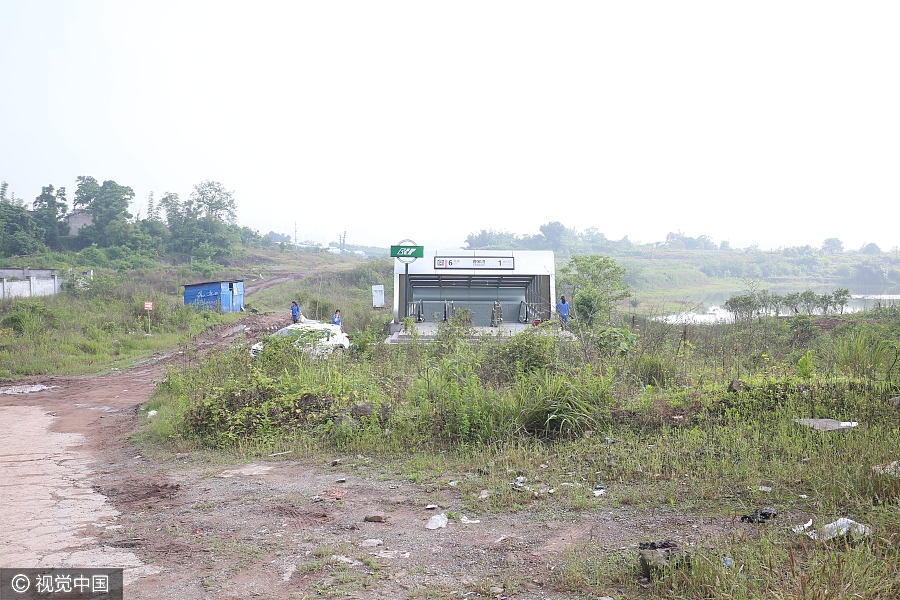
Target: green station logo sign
[[407, 251]]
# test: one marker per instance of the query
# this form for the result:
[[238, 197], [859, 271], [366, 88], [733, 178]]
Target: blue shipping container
[[226, 296]]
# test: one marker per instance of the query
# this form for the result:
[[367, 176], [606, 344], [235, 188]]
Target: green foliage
[[595, 284], [253, 408], [108, 204], [556, 404], [19, 234], [29, 318], [832, 246], [609, 341], [95, 323], [654, 370], [804, 366], [743, 306], [527, 352], [803, 329], [860, 352], [368, 274]]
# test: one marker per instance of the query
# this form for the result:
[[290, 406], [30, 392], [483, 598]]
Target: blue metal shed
[[226, 296]]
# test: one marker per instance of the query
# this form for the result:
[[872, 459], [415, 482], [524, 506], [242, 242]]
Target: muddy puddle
[[25, 389]]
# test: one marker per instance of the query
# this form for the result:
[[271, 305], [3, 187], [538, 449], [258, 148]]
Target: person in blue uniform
[[562, 309], [295, 312], [336, 318]]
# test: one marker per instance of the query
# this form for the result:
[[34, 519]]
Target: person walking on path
[[336, 317], [295, 312], [562, 309]]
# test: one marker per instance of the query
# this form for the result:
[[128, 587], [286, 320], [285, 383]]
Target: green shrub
[[556, 404], [653, 369], [860, 352], [29, 317], [527, 352]]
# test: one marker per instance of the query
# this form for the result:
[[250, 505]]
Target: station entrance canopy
[[494, 286]]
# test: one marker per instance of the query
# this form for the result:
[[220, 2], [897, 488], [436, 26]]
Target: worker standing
[[562, 309]]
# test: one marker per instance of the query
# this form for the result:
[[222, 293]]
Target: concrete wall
[[79, 219], [32, 286], [25, 273]]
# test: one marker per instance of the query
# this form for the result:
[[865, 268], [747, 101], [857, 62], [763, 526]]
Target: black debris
[[760, 515]]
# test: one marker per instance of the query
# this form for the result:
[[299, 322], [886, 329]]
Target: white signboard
[[473, 262], [377, 296]]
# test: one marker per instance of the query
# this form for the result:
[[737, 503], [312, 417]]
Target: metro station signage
[[473, 262], [407, 251]]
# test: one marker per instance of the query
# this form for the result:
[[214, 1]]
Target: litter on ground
[[437, 522], [827, 424], [839, 528]]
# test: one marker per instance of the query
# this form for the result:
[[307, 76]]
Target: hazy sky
[[770, 123]]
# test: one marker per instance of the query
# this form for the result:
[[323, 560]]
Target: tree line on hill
[[868, 268], [201, 226]]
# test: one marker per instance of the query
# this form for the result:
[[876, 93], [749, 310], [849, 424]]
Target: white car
[[319, 338]]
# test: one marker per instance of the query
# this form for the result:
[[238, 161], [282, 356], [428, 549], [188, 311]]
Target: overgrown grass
[[539, 420], [97, 324]]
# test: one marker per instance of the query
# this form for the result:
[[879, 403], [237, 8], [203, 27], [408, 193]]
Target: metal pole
[[406, 293]]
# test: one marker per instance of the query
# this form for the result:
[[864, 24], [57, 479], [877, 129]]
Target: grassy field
[[643, 410], [98, 323], [653, 421]]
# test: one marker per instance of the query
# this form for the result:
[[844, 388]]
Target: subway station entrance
[[498, 288]]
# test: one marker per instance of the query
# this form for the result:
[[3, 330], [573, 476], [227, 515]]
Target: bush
[[527, 352], [257, 408], [29, 317], [652, 369], [556, 404]]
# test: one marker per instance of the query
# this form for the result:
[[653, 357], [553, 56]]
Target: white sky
[[770, 123]]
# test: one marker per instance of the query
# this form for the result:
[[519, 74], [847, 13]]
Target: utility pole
[[296, 241]]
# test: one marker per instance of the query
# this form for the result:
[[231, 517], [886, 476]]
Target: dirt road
[[75, 492]]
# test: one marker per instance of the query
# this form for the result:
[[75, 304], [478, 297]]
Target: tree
[[152, 209], [171, 204], [832, 246], [870, 249], [49, 208], [214, 202], [742, 306], [19, 234], [594, 283], [490, 239], [825, 302], [840, 299], [85, 192], [556, 234], [107, 203], [196, 226], [792, 301], [809, 300], [767, 301], [777, 302]]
